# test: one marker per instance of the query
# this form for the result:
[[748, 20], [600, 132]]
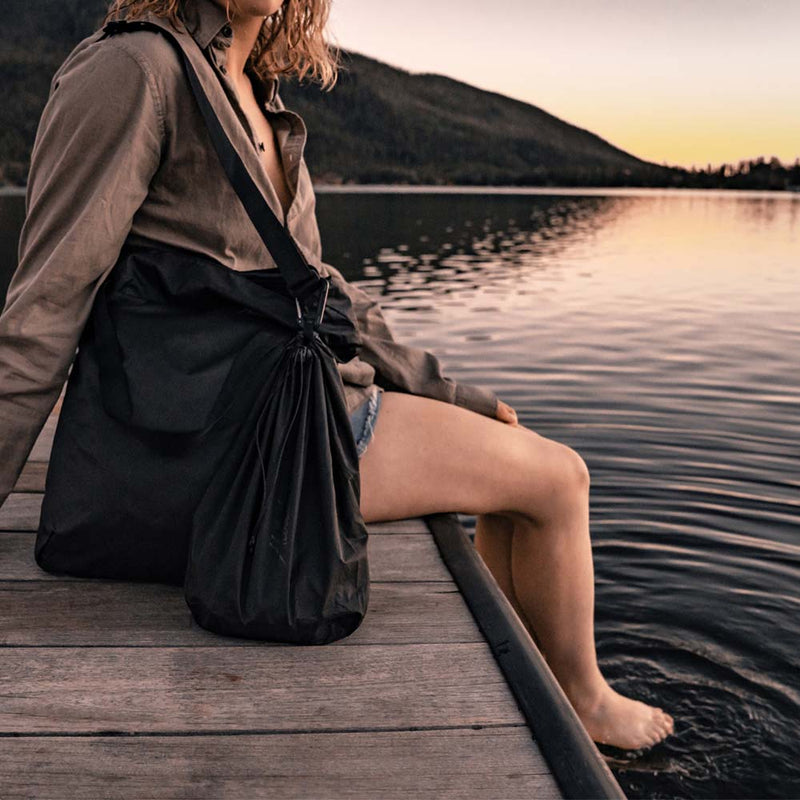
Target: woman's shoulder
[[106, 86], [111, 61]]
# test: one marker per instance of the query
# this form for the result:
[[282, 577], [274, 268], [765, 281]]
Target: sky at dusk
[[686, 82]]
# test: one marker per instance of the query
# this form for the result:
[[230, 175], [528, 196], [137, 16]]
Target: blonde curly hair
[[291, 41]]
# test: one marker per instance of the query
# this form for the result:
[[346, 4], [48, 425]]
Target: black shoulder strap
[[302, 279]]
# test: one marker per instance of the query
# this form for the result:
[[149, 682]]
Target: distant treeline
[[758, 173], [380, 124]]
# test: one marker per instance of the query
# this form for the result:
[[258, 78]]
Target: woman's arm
[[98, 144]]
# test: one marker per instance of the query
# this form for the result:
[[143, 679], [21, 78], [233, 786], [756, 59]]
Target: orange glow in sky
[[686, 82]]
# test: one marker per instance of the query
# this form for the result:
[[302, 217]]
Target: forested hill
[[379, 124]]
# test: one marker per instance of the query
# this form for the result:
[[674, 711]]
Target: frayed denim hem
[[370, 416]]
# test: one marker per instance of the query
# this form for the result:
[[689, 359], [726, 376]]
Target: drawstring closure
[[297, 348]]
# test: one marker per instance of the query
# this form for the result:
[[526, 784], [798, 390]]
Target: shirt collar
[[204, 20], [207, 23]]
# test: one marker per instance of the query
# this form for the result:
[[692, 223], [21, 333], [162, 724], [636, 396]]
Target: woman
[[121, 152]]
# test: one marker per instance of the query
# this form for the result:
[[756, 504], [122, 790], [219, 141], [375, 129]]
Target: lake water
[[657, 332]]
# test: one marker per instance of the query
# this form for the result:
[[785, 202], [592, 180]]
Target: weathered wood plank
[[21, 512], [32, 477], [100, 613], [400, 557], [460, 764], [44, 442], [410, 525], [247, 689]]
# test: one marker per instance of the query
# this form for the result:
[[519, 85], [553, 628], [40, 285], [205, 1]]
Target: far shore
[[404, 188]]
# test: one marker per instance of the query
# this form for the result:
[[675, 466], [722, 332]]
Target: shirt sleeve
[[402, 367], [97, 146]]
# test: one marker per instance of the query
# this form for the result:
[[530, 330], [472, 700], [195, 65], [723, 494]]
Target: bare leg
[[427, 456], [515, 558], [493, 538]]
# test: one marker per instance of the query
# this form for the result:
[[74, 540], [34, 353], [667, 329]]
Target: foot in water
[[612, 718]]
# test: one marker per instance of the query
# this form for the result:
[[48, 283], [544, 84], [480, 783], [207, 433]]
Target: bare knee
[[576, 471], [558, 480]]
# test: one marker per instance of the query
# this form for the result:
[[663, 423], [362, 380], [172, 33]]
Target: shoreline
[[403, 188]]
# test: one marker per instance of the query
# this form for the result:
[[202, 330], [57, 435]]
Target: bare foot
[[612, 718]]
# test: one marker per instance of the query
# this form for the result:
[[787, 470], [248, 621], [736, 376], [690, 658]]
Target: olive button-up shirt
[[122, 151]]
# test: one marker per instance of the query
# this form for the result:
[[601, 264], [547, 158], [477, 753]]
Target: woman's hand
[[506, 414]]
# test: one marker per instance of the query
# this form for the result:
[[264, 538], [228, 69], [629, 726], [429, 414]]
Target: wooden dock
[[109, 689]]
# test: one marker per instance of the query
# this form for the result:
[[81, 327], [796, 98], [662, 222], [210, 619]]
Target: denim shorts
[[362, 419]]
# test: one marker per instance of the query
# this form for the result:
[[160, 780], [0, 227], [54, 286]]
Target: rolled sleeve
[[401, 367], [98, 144]]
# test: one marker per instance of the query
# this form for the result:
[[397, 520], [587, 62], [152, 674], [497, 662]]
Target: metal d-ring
[[322, 306], [324, 302]]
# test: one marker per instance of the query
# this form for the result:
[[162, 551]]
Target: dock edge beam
[[576, 763]]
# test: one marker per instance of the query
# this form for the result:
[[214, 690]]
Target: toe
[[658, 730]]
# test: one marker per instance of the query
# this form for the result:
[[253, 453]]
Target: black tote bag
[[204, 439]]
